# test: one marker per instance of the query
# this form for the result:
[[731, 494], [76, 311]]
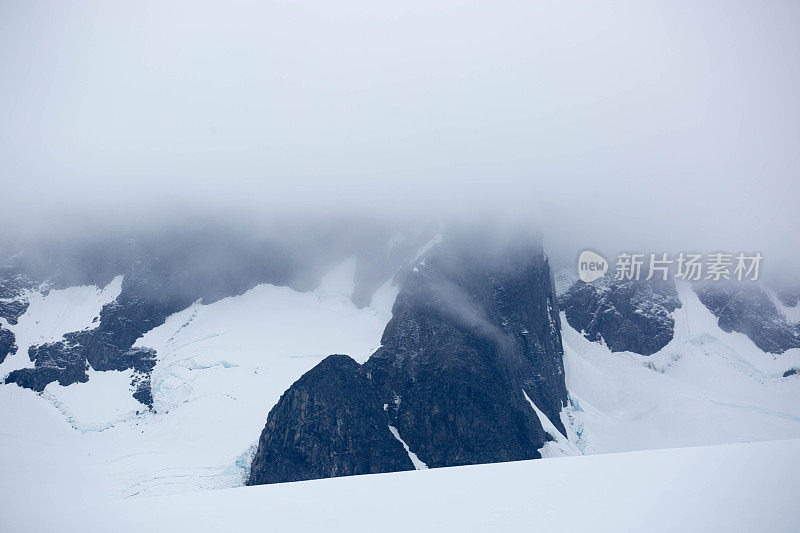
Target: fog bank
[[624, 125]]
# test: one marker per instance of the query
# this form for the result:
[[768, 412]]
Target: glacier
[[103, 458]]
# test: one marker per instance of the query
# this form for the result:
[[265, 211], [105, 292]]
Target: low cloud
[[649, 126]]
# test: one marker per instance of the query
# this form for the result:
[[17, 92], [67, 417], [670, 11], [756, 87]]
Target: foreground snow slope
[[740, 487]]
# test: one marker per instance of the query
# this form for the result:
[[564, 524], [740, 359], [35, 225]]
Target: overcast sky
[[649, 124]]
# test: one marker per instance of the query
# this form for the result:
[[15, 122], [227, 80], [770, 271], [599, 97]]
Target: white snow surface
[[82, 458], [220, 369], [418, 464], [740, 487], [104, 400], [705, 387], [559, 445], [383, 299], [51, 314]]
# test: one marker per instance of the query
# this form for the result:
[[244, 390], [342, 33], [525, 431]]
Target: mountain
[[327, 424], [473, 342], [632, 316], [154, 366], [754, 310], [12, 284], [162, 275]]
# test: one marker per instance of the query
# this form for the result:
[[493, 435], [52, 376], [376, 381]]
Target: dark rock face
[[159, 278], [329, 423], [628, 315], [12, 310], [107, 347], [53, 362], [12, 305], [746, 308], [12, 283], [7, 344], [470, 331], [165, 273]]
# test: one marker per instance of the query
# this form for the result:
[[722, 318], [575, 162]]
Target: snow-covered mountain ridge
[[219, 368], [706, 386]]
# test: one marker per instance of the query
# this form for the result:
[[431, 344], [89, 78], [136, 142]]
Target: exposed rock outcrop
[[329, 423], [746, 308], [7, 344], [474, 326], [633, 315], [160, 277]]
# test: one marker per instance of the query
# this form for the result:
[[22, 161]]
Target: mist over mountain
[[638, 126], [254, 243]]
